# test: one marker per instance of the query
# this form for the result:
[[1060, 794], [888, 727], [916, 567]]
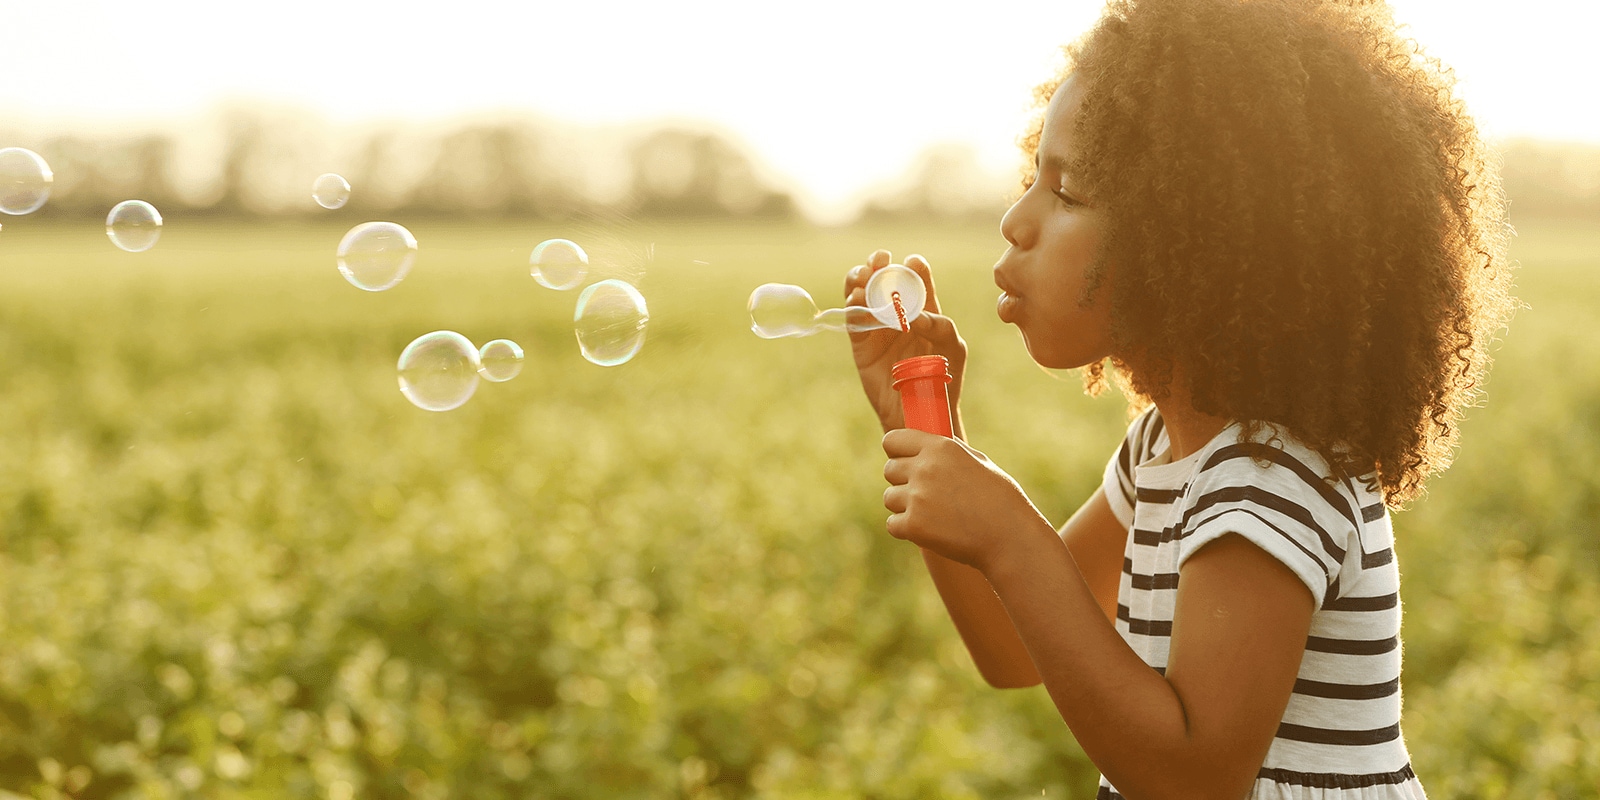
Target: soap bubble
[[610, 320], [439, 371], [24, 181], [375, 255], [558, 264], [330, 190], [134, 225], [500, 360], [779, 310]]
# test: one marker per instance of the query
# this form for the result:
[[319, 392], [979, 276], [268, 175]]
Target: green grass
[[234, 562]]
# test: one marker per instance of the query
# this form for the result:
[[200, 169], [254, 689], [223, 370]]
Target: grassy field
[[235, 563]]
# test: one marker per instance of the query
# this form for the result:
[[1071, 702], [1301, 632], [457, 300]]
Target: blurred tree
[[93, 175], [686, 173], [945, 182], [503, 168]]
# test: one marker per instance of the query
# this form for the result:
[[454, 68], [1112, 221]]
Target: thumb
[[940, 331]]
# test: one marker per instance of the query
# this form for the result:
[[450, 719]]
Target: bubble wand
[[895, 295]]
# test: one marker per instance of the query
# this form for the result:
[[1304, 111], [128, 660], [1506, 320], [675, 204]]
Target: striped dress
[[1340, 735]]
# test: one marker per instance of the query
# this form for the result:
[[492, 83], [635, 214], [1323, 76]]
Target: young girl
[[1276, 225]]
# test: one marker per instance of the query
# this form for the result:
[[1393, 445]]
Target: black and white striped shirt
[[1340, 735]]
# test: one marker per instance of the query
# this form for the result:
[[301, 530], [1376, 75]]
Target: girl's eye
[[1066, 198]]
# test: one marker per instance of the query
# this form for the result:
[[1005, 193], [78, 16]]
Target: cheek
[[1065, 334]]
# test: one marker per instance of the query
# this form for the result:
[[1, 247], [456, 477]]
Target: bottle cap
[[916, 367], [921, 383]]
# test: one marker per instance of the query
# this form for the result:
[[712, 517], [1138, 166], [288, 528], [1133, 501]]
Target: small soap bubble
[[500, 360], [24, 181], [134, 225], [374, 256], [330, 190], [558, 264], [439, 371], [610, 320], [779, 310]]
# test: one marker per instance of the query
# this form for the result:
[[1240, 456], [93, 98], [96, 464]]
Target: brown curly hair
[[1300, 216]]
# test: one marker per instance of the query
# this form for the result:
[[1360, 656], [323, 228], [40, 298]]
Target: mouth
[[1008, 303], [1006, 307]]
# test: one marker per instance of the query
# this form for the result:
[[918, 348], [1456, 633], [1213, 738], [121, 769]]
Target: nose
[[1016, 226]]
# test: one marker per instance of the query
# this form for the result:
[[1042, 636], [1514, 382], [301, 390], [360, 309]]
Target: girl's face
[[1054, 234]]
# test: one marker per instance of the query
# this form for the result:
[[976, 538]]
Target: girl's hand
[[876, 351], [952, 500]]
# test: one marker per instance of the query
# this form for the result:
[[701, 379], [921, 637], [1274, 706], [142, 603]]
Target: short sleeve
[[1283, 507], [1118, 480]]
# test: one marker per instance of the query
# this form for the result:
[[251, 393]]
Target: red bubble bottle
[[921, 380]]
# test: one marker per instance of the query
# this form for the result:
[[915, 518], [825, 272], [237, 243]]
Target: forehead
[[1056, 138]]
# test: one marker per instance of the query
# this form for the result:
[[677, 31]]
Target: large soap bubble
[[24, 181], [610, 321], [133, 225], [376, 255], [558, 264], [439, 371]]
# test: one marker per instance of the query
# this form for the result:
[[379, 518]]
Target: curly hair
[[1301, 222]]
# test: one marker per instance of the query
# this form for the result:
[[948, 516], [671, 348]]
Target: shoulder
[[1146, 436], [1275, 492]]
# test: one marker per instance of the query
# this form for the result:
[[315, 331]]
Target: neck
[[1188, 430]]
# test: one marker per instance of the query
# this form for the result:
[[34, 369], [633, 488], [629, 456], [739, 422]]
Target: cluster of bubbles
[[610, 315], [895, 297], [439, 371], [25, 181]]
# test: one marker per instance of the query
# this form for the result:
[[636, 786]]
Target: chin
[[1057, 358]]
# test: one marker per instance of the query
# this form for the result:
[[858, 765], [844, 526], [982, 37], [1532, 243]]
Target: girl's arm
[[1241, 619], [1202, 731], [1093, 536]]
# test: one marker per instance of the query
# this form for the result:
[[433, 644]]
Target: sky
[[834, 96]]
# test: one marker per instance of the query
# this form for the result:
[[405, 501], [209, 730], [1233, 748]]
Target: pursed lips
[[1007, 303]]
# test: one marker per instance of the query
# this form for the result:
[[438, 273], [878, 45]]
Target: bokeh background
[[235, 563]]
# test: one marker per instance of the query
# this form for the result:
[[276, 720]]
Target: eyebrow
[[1054, 162]]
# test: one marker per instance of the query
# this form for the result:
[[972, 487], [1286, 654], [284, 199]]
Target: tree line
[[256, 162]]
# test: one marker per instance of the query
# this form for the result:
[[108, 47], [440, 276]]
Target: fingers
[[858, 275], [856, 278], [898, 525], [919, 265], [856, 297], [895, 499], [904, 442], [897, 471]]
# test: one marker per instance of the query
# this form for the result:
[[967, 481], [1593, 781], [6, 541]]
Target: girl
[[1275, 224]]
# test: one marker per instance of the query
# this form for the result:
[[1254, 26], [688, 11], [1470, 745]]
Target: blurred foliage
[[255, 161], [234, 563]]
